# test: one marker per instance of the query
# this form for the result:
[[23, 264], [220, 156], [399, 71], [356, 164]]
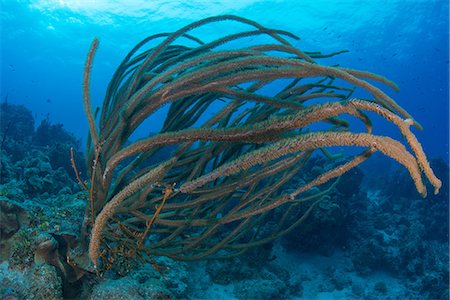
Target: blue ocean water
[[402, 242]]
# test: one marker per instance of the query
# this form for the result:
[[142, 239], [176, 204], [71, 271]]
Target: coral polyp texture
[[244, 115]]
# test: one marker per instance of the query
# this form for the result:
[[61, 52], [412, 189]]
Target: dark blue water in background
[[44, 44]]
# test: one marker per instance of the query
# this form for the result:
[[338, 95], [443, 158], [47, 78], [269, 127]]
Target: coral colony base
[[236, 165]]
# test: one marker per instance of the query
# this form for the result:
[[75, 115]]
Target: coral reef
[[58, 143], [42, 150], [224, 185], [262, 281], [383, 231], [31, 183], [410, 245], [17, 123], [36, 283]]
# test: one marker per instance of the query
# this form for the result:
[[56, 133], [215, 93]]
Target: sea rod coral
[[240, 119]]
